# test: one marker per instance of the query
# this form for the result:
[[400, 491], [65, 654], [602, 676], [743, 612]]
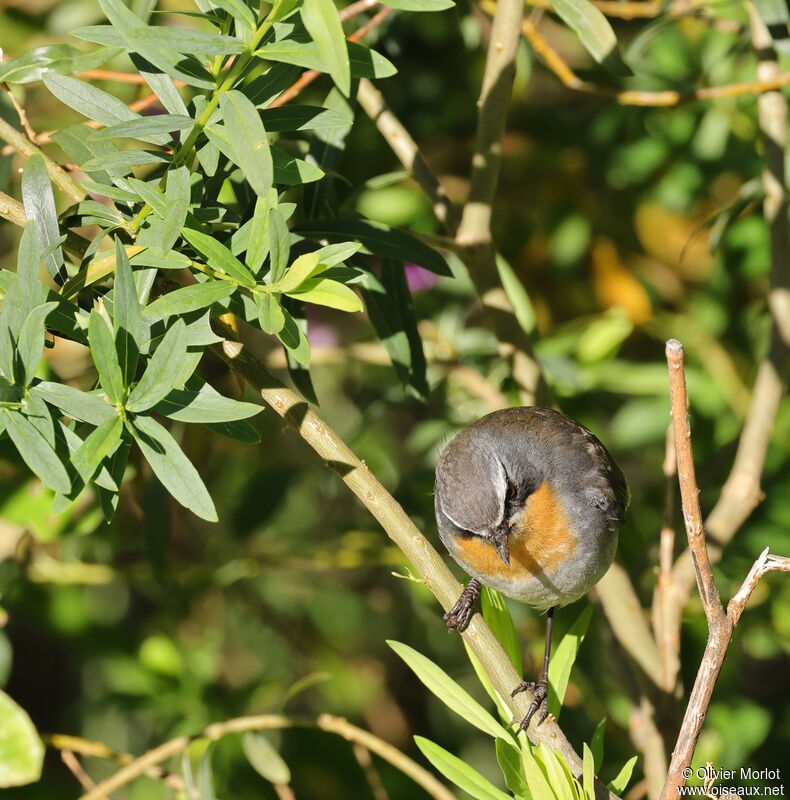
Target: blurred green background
[[612, 219]]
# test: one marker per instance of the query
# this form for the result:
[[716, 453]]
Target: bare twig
[[22, 114], [75, 768], [689, 493], [720, 622], [325, 722], [371, 774]]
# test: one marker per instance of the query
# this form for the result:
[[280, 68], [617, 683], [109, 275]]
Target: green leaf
[[271, 317], [265, 759], [300, 118], [459, 772], [169, 39], [421, 5], [621, 781], [159, 378], [558, 779], [177, 195], [449, 692], [172, 467], [334, 254], [31, 291], [539, 787], [40, 206], [258, 241], [32, 65], [517, 294], [239, 430], [363, 62], [165, 90], [97, 446], [204, 405], [303, 268], [240, 11], [73, 403], [508, 755], [117, 467], [146, 129], [293, 171], [562, 660], [594, 31], [122, 161], [588, 773], [36, 452], [377, 239], [248, 140], [21, 749], [596, 744], [31, 340], [127, 317], [322, 20], [279, 244], [497, 616], [218, 256], [105, 357], [294, 339], [89, 101], [189, 298], [325, 292]]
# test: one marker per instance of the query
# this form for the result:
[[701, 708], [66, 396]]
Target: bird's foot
[[458, 617], [540, 701]]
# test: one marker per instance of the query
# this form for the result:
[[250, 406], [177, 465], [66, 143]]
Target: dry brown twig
[[720, 622]]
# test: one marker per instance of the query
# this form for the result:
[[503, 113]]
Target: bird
[[530, 503]]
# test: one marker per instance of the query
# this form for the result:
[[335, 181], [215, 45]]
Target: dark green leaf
[[127, 316], [205, 405], [160, 378], [36, 452], [596, 745], [40, 206], [378, 239], [239, 430], [300, 118], [218, 256], [172, 467], [177, 195], [122, 161], [322, 20], [293, 171], [89, 101], [73, 403], [248, 140], [189, 298], [31, 340], [146, 129], [105, 357], [97, 446], [294, 339]]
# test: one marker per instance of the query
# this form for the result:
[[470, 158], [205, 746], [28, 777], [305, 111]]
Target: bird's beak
[[500, 542]]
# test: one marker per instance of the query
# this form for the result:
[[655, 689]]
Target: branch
[[325, 722], [721, 623], [628, 97], [26, 148], [427, 563], [12, 210], [689, 493]]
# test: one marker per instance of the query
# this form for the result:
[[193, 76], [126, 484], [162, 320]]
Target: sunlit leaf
[[322, 20], [159, 378], [189, 298], [40, 206], [21, 749]]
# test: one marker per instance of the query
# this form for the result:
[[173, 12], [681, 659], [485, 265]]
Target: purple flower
[[419, 279]]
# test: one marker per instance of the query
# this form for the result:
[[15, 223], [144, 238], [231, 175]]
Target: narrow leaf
[[96, 447], [39, 204], [270, 313], [127, 317], [621, 781], [596, 744], [159, 378], [31, 340], [105, 357], [36, 452], [218, 256], [322, 20], [248, 140], [177, 195], [326, 292], [562, 660], [421, 5], [588, 773], [265, 759], [508, 755], [496, 614], [279, 244], [303, 268], [172, 467], [189, 298], [449, 692], [459, 772], [294, 339], [73, 403], [89, 101], [205, 405], [144, 128]]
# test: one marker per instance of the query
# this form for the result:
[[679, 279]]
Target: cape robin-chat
[[529, 502]]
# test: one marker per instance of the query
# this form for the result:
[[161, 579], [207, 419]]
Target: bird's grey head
[[472, 489]]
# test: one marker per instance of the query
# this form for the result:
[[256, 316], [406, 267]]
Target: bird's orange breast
[[540, 540]]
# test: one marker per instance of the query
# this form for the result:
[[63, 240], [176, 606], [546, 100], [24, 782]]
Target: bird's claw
[[540, 698], [459, 616]]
